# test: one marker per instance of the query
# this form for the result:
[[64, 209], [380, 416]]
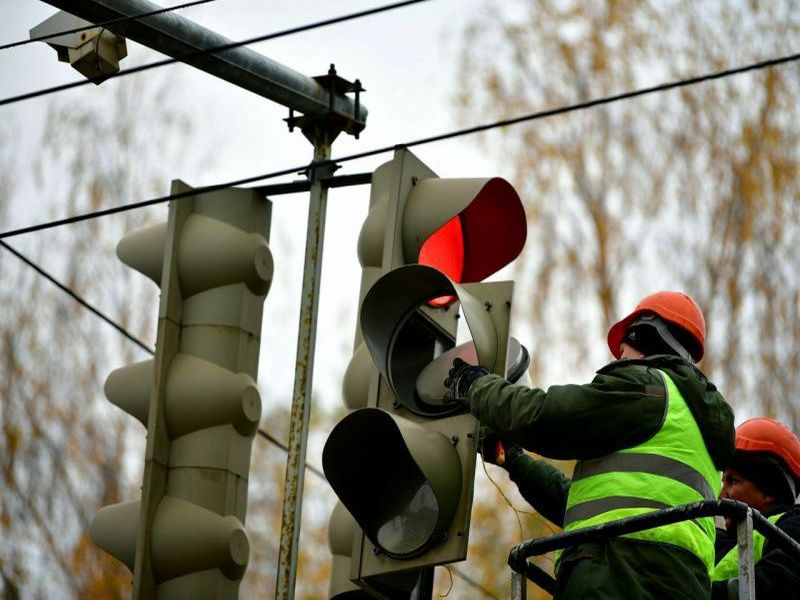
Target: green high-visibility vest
[[728, 566], [671, 468]]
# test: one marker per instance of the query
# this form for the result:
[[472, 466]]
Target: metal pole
[[304, 368], [174, 35], [327, 110], [519, 586], [744, 541]]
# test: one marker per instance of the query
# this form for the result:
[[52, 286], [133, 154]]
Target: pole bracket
[[320, 171], [325, 127]]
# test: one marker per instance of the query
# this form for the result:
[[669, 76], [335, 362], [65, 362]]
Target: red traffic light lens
[[483, 238], [444, 251]]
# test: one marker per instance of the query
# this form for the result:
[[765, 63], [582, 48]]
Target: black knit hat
[[768, 474], [650, 335]]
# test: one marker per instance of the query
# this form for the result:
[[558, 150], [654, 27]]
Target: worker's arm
[[623, 406], [542, 485]]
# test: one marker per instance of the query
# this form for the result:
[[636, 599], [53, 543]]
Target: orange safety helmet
[[675, 308], [772, 437]]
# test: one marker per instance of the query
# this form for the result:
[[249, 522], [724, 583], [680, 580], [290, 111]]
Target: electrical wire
[[419, 142], [266, 435], [285, 448], [469, 580], [77, 298], [212, 50], [102, 24], [144, 203], [449, 589], [517, 511], [503, 495], [124, 332]]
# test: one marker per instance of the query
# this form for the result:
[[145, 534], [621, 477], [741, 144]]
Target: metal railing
[[746, 520]]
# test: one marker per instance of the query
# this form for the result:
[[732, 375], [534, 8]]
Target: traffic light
[[198, 397], [403, 461]]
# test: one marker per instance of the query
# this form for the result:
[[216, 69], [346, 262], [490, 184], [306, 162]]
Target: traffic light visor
[[400, 481], [487, 232], [403, 341]]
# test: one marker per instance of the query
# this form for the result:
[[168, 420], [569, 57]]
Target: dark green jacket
[[622, 407]]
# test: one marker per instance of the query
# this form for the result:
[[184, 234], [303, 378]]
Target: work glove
[[497, 452], [461, 377]]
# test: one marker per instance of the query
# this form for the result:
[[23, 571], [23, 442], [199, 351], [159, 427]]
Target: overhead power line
[[419, 142], [115, 21], [144, 203], [77, 298], [285, 448], [127, 334], [213, 50], [469, 580], [266, 435]]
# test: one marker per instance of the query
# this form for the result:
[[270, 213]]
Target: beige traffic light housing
[[403, 461], [405, 467], [198, 397]]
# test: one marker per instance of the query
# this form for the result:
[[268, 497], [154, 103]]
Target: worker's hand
[[497, 452], [460, 379]]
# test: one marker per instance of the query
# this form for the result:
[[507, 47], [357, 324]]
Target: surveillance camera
[[95, 53]]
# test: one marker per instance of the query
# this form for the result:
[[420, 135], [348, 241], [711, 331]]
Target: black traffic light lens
[[417, 343], [400, 481]]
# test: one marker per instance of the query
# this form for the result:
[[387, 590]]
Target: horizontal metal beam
[[294, 187], [176, 36]]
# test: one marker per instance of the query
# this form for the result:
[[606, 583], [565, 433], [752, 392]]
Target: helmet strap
[[791, 483], [664, 333]]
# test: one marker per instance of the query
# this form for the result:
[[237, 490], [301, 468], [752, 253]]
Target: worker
[[650, 431], [765, 474]]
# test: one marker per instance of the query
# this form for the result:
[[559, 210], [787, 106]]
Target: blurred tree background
[[66, 450], [694, 189]]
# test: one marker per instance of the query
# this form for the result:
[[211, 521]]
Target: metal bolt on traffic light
[[198, 397]]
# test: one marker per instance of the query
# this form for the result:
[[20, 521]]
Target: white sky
[[406, 59]]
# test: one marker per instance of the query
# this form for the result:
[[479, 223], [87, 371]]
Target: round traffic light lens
[[400, 481], [444, 250], [409, 531]]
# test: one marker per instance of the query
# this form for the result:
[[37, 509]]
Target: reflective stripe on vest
[[728, 566], [671, 468]]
